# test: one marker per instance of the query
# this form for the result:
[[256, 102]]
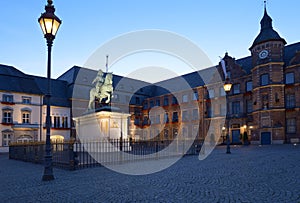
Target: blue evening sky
[[214, 26]]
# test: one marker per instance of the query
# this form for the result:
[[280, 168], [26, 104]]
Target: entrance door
[[235, 136], [265, 138]]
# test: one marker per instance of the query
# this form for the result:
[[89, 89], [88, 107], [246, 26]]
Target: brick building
[[264, 100]]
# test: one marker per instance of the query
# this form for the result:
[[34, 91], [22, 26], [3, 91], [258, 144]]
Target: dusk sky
[[214, 26]]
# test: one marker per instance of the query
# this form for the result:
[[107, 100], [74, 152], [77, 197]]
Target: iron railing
[[74, 155]]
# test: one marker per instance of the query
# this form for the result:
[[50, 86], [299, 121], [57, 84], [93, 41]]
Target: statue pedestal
[[104, 127]]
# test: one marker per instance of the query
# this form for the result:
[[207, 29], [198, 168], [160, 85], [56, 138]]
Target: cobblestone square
[[249, 174]]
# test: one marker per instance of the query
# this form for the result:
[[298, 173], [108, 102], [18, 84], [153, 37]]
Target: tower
[[267, 53]]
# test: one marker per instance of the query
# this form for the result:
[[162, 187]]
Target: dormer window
[[26, 100], [8, 98]]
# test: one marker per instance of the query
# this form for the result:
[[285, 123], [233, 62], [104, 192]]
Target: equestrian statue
[[103, 89]]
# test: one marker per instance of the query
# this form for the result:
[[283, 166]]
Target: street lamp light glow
[[49, 22], [227, 85]]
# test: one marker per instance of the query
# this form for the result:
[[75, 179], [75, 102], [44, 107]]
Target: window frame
[[262, 83], [293, 79], [6, 138], [26, 117], [185, 98], [5, 118], [8, 98], [290, 100], [236, 90], [236, 107], [25, 98], [211, 93], [291, 125], [247, 85]]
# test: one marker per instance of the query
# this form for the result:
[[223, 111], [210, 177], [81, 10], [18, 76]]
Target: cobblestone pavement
[[249, 174]]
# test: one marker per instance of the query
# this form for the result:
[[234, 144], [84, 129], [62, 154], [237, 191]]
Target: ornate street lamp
[[227, 87], [49, 23]]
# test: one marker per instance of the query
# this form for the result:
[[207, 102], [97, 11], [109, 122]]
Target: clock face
[[263, 54]]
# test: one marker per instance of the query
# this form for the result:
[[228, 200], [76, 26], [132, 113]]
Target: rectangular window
[[248, 86], [7, 116], [26, 100], [7, 98], [249, 106], [185, 116], [146, 120], [158, 102], [166, 101], [166, 118], [290, 100], [222, 91], [236, 89], [291, 125], [174, 100], [195, 95], [195, 131], [195, 114], [6, 139], [175, 117], [264, 79], [56, 122], [211, 93], [152, 119], [65, 122], [175, 132], [157, 119], [289, 78], [136, 121], [236, 107], [229, 74], [210, 110], [151, 103], [185, 98], [25, 117], [185, 132], [145, 106], [166, 134], [223, 109]]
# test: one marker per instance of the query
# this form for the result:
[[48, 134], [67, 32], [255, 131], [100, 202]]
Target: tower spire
[[106, 65]]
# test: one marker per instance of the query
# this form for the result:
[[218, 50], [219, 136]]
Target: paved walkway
[[249, 174]]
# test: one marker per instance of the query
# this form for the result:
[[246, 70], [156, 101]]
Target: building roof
[[59, 95], [13, 80], [267, 32]]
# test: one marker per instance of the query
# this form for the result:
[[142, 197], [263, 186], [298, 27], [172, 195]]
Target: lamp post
[[227, 87], [49, 23]]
